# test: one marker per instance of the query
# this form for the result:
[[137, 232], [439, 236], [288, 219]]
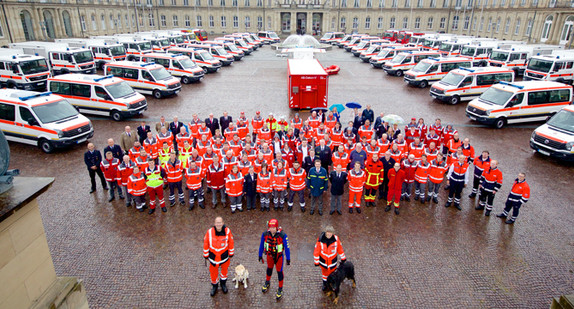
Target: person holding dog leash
[[273, 243], [327, 248], [218, 248]]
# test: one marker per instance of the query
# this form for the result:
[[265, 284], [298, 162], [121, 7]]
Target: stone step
[[567, 301], [556, 303]]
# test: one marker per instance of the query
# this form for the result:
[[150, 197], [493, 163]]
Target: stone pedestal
[[26, 269]]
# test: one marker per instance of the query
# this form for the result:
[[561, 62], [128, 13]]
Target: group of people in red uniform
[[274, 249], [275, 160]]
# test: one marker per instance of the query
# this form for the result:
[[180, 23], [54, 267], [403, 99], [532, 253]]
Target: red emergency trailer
[[308, 83]]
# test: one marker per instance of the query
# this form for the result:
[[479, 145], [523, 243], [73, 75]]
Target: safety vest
[[216, 177], [110, 169], [257, 124], [184, 154], [371, 151], [229, 133], [264, 135], [154, 178], [267, 155], [236, 147], [437, 171], [251, 155], [273, 243], [228, 163], [137, 184], [366, 131], [356, 180], [124, 171], [375, 172], [337, 137], [320, 133], [453, 145], [151, 146], [202, 147], [520, 192], [203, 131], [234, 184], [264, 182], [326, 251], [422, 172], [142, 162], [194, 126], [174, 171], [134, 152], [280, 179], [396, 155], [181, 138], [297, 123], [164, 155], [314, 122], [431, 154], [244, 167], [257, 165], [409, 167], [416, 150], [468, 151], [384, 145], [458, 172], [218, 247], [340, 158], [272, 122], [402, 146], [330, 122], [194, 177], [275, 162], [242, 130], [297, 179], [163, 138], [491, 179], [432, 138]]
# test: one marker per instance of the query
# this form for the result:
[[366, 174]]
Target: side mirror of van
[[33, 122]]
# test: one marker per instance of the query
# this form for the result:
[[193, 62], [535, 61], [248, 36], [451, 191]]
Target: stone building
[[536, 21]]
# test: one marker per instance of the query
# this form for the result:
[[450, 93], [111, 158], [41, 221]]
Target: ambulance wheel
[[454, 100], [46, 146], [185, 80], [157, 94], [101, 65], [116, 115], [399, 73], [424, 84], [500, 123], [11, 85]]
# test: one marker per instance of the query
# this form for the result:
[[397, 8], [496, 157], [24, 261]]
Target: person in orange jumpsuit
[[396, 178], [356, 178], [375, 175], [218, 249], [327, 248]]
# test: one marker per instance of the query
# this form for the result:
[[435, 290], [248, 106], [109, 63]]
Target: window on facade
[[481, 27], [417, 23], [369, 3], [259, 3], [392, 23], [507, 26], [552, 3], [457, 3], [259, 22], [433, 4], [567, 30], [355, 23], [161, 2], [111, 21], [489, 24], [445, 3], [546, 28], [407, 3], [174, 2], [198, 21], [175, 21], [395, 3], [223, 22], [381, 3], [442, 23], [380, 23], [83, 22], [211, 21], [368, 23], [455, 19], [103, 20], [405, 22], [419, 3], [247, 22], [343, 3], [466, 22], [498, 25], [197, 2], [430, 23], [343, 23], [187, 21], [163, 21], [356, 3], [502, 3], [67, 24], [235, 22]]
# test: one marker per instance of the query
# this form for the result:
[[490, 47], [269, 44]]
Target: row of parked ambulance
[[482, 71], [155, 63]]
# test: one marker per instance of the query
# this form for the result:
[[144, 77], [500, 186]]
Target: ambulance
[[240, 43], [433, 42], [480, 52], [387, 53], [145, 78], [102, 51], [465, 84], [230, 48], [391, 35], [431, 70], [18, 70], [61, 58], [201, 57], [217, 51], [374, 50], [158, 43], [346, 39], [135, 49], [99, 95], [247, 38], [350, 45], [454, 46], [558, 66], [355, 39], [331, 37], [555, 138], [516, 57], [418, 40], [527, 101], [42, 119], [250, 38], [270, 36], [177, 65], [407, 60], [404, 37], [364, 45]]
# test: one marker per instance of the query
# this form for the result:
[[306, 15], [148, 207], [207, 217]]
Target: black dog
[[346, 270]]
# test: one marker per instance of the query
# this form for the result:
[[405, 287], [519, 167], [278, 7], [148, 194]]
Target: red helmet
[[273, 223]]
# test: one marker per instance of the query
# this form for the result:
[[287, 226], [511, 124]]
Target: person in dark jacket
[[93, 158], [224, 121], [212, 123], [142, 132], [368, 114], [309, 161], [175, 127], [388, 163], [324, 154], [317, 182], [115, 149], [250, 187], [338, 179], [358, 121]]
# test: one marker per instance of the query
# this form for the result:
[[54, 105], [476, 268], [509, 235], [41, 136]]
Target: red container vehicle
[[307, 84]]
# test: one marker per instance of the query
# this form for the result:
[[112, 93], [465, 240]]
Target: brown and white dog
[[241, 276]]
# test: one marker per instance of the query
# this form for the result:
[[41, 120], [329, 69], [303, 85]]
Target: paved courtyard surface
[[427, 257]]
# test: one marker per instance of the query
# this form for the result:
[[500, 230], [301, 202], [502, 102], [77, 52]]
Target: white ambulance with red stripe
[[479, 52], [518, 102], [516, 57], [465, 84], [374, 50], [407, 60], [555, 138], [21, 71], [558, 66], [101, 50], [217, 51], [431, 70], [387, 53], [61, 58], [42, 119], [145, 78], [201, 57], [177, 65], [134, 48], [99, 95]]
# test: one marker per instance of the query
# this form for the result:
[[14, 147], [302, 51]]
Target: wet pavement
[[427, 257]]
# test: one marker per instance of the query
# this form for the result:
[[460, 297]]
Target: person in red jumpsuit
[[396, 178], [218, 249], [274, 244]]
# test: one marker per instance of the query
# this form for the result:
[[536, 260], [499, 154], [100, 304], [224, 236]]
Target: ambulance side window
[[55, 56], [523, 56], [482, 80], [538, 97], [467, 81], [116, 71], [7, 112], [131, 73], [146, 75], [433, 68], [81, 90], [514, 57], [516, 100], [101, 93], [2, 66], [60, 88], [568, 65], [27, 116]]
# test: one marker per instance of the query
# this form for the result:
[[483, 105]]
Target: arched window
[[517, 27], [567, 30], [94, 23], [112, 21], [507, 26], [497, 25], [355, 23], [67, 24], [49, 24], [27, 25], [546, 28], [103, 20], [343, 23]]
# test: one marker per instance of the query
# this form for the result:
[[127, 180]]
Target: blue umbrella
[[353, 105], [316, 109], [339, 107]]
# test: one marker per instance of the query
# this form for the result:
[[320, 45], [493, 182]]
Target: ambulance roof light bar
[[103, 77], [44, 94], [512, 85]]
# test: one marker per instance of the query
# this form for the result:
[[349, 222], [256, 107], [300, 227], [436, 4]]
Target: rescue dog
[[241, 276], [346, 270]]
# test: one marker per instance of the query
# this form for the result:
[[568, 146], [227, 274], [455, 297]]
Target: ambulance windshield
[[52, 112], [499, 56], [34, 66], [422, 66], [496, 96], [160, 74], [118, 50], [119, 90], [563, 120], [187, 64], [232, 47], [84, 56], [452, 79], [468, 51], [540, 65]]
